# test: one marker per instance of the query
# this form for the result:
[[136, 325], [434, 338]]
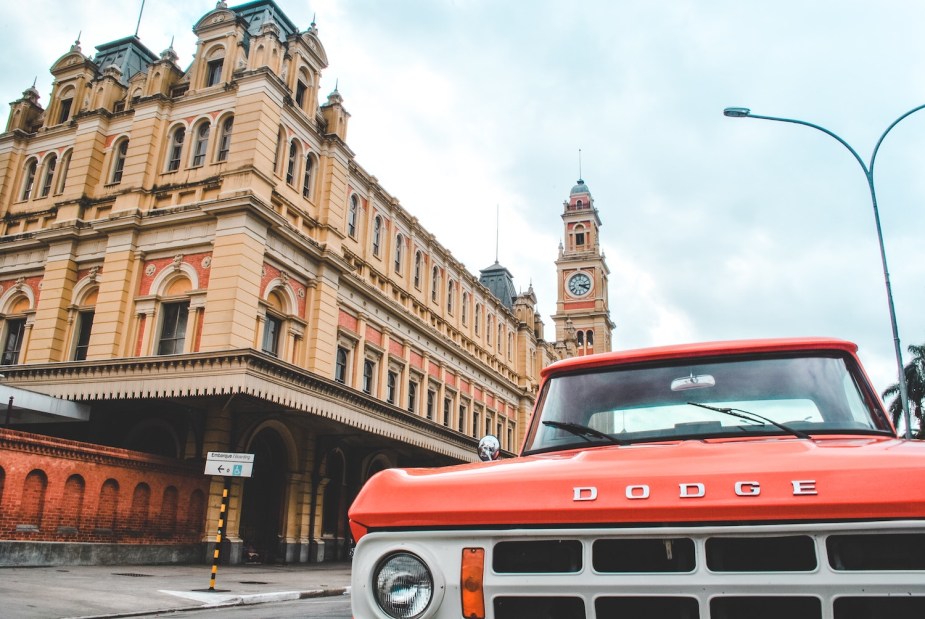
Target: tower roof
[[128, 54], [580, 187], [500, 282]]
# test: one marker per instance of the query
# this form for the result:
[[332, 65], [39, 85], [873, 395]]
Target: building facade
[[196, 257]]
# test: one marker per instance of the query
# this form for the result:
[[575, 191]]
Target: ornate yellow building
[[197, 256]]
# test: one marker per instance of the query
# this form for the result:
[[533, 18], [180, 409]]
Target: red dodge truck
[[754, 479]]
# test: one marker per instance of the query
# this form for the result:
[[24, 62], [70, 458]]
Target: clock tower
[[582, 315]]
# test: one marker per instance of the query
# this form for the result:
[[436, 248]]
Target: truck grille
[[728, 573]]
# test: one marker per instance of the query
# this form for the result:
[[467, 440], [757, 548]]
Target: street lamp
[[744, 112]]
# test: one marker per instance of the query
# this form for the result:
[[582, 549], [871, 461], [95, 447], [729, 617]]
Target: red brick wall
[[66, 491]]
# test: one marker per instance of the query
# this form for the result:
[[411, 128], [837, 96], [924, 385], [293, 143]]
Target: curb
[[241, 600]]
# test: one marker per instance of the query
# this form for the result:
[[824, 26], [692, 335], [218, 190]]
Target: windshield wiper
[[753, 417], [583, 431]]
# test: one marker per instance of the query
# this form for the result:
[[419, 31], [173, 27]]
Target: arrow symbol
[[221, 469]]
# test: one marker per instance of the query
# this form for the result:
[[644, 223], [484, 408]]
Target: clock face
[[579, 284]]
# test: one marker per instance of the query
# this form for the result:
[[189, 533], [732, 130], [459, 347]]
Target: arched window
[[478, 317], [434, 283], [214, 67], [72, 503], [118, 159], [292, 162], [32, 503], [377, 234], [300, 89], [590, 337], [307, 176], [580, 338], [352, 215], [418, 262], [176, 148], [579, 236], [510, 345], [66, 105], [278, 153], [224, 139], [62, 171], [108, 505], [48, 174], [200, 143], [28, 178], [464, 311], [449, 296], [500, 339], [340, 365], [489, 327], [399, 248]]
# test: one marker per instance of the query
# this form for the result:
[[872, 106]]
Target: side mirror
[[489, 448]]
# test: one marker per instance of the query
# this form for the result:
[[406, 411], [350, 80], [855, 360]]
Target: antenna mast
[[140, 11], [497, 227], [579, 163]]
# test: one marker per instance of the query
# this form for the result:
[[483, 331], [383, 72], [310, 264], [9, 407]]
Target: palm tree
[[915, 389]]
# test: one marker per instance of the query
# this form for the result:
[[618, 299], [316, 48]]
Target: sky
[[713, 228]]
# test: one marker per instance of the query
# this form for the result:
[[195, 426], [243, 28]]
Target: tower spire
[[497, 227], [579, 165]]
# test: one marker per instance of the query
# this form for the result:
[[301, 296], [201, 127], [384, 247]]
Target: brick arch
[[196, 512], [72, 502], [32, 504], [169, 507], [108, 505], [141, 503]]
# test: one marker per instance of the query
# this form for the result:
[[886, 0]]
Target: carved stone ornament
[[150, 269], [301, 293], [218, 18], [20, 282], [177, 261], [94, 274], [263, 272], [206, 262], [284, 277]]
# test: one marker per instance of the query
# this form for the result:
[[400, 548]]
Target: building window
[[340, 365], [590, 338], [377, 235], [418, 260], [580, 338], [352, 216], [478, 317], [176, 149], [28, 179], [434, 283], [447, 407], [510, 437], [214, 71], [47, 175], [173, 328], [449, 296], [475, 424], [461, 422], [272, 327], [489, 328], [307, 177], [62, 172], [369, 371], [118, 163], [201, 144], [399, 248], [65, 113], [12, 343], [390, 383], [412, 396], [82, 343], [464, 310], [431, 396], [224, 139], [300, 90], [291, 164], [510, 345]]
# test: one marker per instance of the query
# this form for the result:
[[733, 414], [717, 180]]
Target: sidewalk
[[127, 590]]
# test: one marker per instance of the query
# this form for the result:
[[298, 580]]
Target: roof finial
[[497, 228], [579, 166], [35, 80], [76, 46], [140, 11]]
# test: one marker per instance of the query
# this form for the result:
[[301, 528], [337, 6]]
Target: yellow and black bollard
[[219, 535]]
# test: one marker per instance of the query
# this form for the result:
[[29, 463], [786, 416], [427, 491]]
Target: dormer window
[[65, 112], [214, 71]]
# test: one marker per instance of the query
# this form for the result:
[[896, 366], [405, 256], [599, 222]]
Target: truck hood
[[714, 480]]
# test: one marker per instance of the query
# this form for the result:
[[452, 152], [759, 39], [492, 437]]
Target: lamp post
[[744, 112]]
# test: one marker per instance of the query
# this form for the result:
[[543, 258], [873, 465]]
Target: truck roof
[[702, 349]]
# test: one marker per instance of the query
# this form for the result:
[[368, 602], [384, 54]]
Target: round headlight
[[404, 585]]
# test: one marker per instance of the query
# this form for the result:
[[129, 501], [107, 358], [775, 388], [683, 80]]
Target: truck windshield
[[673, 401]]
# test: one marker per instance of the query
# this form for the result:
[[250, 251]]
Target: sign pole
[[221, 533]]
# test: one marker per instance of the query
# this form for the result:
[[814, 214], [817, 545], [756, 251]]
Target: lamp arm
[[873, 157]]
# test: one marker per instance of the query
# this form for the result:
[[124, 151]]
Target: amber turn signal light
[[473, 596]]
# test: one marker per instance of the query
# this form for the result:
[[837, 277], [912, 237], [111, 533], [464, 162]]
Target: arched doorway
[[262, 504]]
